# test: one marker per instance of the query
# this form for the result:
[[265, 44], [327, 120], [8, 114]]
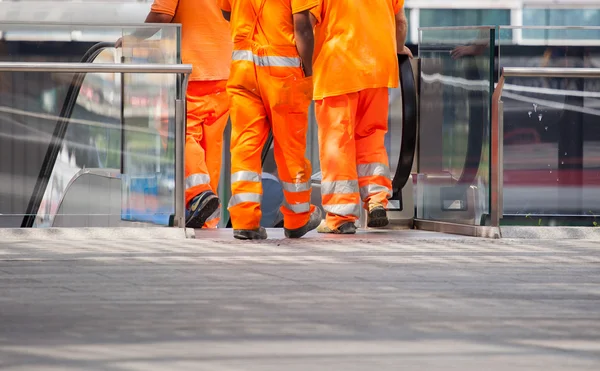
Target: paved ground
[[399, 301]]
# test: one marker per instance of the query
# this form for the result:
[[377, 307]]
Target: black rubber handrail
[[409, 130], [475, 139], [409, 127], [58, 136]]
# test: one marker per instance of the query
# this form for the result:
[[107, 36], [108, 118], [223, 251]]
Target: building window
[[561, 17], [463, 17]]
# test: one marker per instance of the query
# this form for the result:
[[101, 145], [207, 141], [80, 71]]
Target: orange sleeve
[[398, 5], [167, 7], [302, 5], [225, 5], [316, 11]]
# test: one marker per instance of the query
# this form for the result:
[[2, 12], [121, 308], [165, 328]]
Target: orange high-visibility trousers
[[354, 161], [207, 114], [271, 94]]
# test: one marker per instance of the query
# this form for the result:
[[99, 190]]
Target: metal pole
[[550, 72], [497, 162], [179, 220], [93, 67]]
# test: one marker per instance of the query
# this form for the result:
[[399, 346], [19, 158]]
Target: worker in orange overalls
[[206, 45], [270, 87], [355, 63]]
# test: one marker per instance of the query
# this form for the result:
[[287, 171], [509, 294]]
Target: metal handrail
[[549, 72], [94, 67], [497, 158]]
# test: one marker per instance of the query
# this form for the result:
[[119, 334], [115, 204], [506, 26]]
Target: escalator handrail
[[476, 134], [409, 126], [58, 136]]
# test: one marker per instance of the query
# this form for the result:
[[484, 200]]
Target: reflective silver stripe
[[298, 208], [248, 176], [295, 187], [265, 61], [343, 209], [215, 215], [244, 197], [196, 179], [339, 187], [373, 169], [370, 189]]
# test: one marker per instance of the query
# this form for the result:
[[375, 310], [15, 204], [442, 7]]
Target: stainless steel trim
[[180, 123], [497, 164], [94, 67], [460, 229], [549, 72]]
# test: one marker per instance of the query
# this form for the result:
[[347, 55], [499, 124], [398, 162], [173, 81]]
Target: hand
[[464, 50], [406, 51], [127, 39]]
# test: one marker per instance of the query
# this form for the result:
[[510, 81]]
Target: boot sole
[[250, 235], [378, 218], [204, 211], [313, 223]]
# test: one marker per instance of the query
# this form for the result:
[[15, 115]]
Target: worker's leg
[[374, 177], [201, 202], [339, 186], [249, 131], [217, 108], [289, 99]]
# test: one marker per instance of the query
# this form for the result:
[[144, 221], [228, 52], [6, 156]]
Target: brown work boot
[[313, 222], [377, 216], [346, 228]]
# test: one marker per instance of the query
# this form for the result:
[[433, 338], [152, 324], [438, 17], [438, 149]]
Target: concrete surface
[[404, 300]]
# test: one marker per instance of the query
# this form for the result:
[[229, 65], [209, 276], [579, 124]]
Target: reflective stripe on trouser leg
[[341, 197], [374, 181], [249, 130], [374, 176], [336, 117], [195, 184]]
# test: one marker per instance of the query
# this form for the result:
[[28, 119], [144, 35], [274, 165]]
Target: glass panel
[[454, 163], [87, 170], [551, 136]]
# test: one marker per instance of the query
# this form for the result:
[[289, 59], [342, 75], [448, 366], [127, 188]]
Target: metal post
[[497, 161], [179, 220]]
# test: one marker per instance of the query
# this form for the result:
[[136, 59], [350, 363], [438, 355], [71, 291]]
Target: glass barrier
[[453, 177], [551, 136], [116, 162]]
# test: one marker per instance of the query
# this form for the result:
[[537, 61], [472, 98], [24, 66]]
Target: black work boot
[[377, 216], [201, 208], [313, 222], [250, 234]]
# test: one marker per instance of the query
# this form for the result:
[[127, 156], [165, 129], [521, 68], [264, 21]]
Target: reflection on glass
[[551, 136], [453, 179], [86, 186]]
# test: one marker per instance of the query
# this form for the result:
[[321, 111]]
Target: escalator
[[58, 137]]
